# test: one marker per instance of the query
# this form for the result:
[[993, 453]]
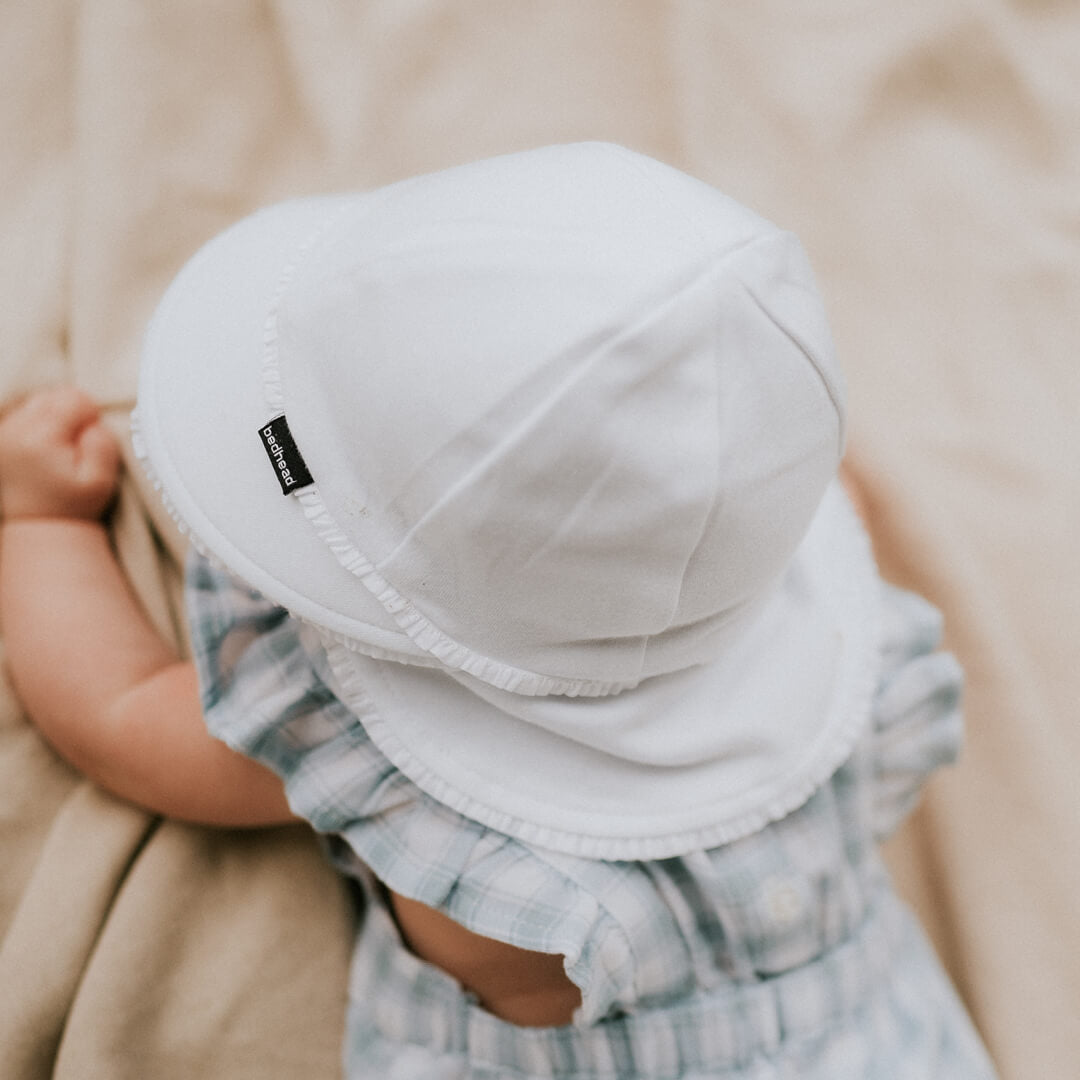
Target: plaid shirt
[[785, 954]]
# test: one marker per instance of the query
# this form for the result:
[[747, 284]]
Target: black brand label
[[280, 447]]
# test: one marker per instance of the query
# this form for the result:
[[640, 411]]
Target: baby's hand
[[57, 460]]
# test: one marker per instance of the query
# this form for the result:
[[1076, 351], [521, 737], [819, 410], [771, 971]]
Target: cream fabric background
[[928, 155]]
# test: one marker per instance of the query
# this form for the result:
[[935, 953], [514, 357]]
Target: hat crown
[[575, 407]]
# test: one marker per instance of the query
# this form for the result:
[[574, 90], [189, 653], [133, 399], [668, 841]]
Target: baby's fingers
[[51, 417], [97, 457], [59, 460], [66, 411]]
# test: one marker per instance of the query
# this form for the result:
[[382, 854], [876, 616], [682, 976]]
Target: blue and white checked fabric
[[785, 954]]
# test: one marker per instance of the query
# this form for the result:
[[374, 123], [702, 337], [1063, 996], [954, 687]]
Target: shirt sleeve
[[917, 718], [264, 695]]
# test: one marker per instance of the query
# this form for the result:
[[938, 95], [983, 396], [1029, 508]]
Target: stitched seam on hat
[[270, 366], [704, 521], [815, 363], [600, 349], [425, 633]]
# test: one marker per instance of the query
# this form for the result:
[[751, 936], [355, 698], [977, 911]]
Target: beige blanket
[[928, 152]]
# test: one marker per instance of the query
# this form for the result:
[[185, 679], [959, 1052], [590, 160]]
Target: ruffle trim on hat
[[447, 651], [443, 650], [676, 841], [772, 801], [142, 455], [376, 652], [425, 635]]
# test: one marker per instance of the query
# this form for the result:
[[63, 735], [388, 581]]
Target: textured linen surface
[[785, 953]]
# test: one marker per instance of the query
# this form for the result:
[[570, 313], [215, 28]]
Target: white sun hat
[[542, 451]]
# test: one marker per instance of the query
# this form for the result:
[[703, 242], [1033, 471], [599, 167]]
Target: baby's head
[[554, 424]]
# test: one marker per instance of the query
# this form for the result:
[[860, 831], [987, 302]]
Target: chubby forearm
[[104, 688], [76, 637], [160, 755]]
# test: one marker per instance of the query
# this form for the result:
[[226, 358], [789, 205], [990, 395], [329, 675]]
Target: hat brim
[[202, 401], [682, 762]]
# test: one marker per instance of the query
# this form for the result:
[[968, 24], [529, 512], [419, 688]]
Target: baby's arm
[[95, 676]]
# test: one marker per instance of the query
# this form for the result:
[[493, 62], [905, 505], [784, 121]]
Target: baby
[[520, 571]]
